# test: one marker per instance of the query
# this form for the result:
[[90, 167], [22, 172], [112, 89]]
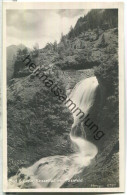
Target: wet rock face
[[91, 123], [72, 77]]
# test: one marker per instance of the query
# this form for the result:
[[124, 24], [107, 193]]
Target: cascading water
[[54, 171]]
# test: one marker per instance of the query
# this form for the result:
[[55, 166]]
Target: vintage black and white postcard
[[63, 96]]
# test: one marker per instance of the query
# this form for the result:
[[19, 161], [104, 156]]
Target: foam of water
[[54, 171]]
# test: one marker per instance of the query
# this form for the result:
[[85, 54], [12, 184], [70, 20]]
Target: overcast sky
[[39, 26]]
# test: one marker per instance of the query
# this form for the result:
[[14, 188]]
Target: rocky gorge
[[39, 126]]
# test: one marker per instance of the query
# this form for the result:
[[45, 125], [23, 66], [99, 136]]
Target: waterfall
[[83, 96], [54, 171]]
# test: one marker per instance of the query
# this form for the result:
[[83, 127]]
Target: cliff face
[[39, 126]]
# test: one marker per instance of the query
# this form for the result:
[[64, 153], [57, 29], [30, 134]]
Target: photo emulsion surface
[[62, 72]]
